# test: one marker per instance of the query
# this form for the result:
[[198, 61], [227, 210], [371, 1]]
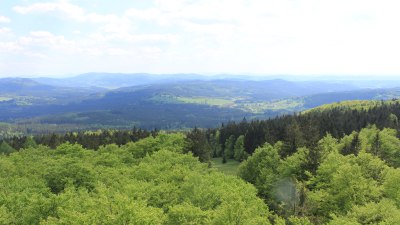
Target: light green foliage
[[187, 214], [326, 170], [350, 144], [368, 139], [4, 99], [346, 181], [276, 179], [168, 98], [105, 206], [299, 221], [206, 101], [111, 155], [341, 183], [343, 221], [150, 182], [391, 187], [291, 104], [5, 148], [389, 147], [327, 145], [353, 105], [290, 188], [239, 152], [383, 212], [348, 187], [316, 155], [229, 147], [294, 165], [5, 216], [239, 102], [261, 169], [382, 143], [171, 142], [29, 143], [371, 166]]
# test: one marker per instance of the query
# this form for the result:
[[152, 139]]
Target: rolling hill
[[116, 80], [169, 102], [23, 91]]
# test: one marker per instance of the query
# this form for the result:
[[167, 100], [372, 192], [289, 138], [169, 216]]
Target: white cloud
[[62, 7], [4, 19], [66, 9], [134, 38], [260, 36], [5, 30], [44, 43], [145, 14], [9, 47], [48, 41], [38, 44]]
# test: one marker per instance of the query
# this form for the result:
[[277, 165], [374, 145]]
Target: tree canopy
[[146, 182]]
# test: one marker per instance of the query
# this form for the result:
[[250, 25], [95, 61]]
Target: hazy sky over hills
[[201, 36]]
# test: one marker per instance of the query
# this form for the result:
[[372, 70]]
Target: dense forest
[[307, 128], [199, 112], [88, 139], [336, 164], [146, 182], [118, 101]]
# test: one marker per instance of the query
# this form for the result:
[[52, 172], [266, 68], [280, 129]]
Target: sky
[[257, 37]]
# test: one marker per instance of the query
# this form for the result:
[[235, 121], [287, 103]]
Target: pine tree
[[197, 144], [376, 145]]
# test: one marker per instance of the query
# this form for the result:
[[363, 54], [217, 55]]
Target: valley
[[272, 171], [165, 101], [199, 112]]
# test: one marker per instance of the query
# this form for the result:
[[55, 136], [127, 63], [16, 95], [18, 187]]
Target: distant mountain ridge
[[12, 85], [28, 91], [170, 101], [248, 89], [116, 80]]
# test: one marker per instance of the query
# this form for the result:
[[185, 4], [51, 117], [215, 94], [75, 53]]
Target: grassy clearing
[[167, 98], [229, 168], [206, 101], [260, 107], [3, 99]]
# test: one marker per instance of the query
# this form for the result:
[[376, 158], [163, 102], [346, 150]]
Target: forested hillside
[[305, 129], [337, 164], [85, 102]]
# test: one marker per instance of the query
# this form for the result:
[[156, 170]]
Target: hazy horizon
[[293, 77]]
